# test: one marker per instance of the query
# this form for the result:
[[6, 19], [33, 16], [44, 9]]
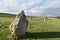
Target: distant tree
[[58, 17]]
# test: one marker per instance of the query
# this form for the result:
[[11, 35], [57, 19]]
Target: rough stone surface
[[19, 25]]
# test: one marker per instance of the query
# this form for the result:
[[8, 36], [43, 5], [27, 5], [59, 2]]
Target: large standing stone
[[19, 25]]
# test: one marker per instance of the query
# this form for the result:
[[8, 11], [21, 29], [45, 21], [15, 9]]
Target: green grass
[[37, 29]]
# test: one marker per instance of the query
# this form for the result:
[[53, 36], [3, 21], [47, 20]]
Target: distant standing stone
[[31, 17], [45, 19]]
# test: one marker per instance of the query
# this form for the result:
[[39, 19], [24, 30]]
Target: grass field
[[37, 29]]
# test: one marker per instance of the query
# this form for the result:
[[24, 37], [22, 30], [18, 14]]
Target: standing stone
[[31, 17], [19, 25], [45, 19]]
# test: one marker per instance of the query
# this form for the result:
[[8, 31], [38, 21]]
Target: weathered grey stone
[[45, 19], [19, 25]]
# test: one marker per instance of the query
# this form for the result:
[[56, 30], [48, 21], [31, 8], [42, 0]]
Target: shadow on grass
[[40, 35]]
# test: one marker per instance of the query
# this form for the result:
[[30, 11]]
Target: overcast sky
[[31, 7]]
